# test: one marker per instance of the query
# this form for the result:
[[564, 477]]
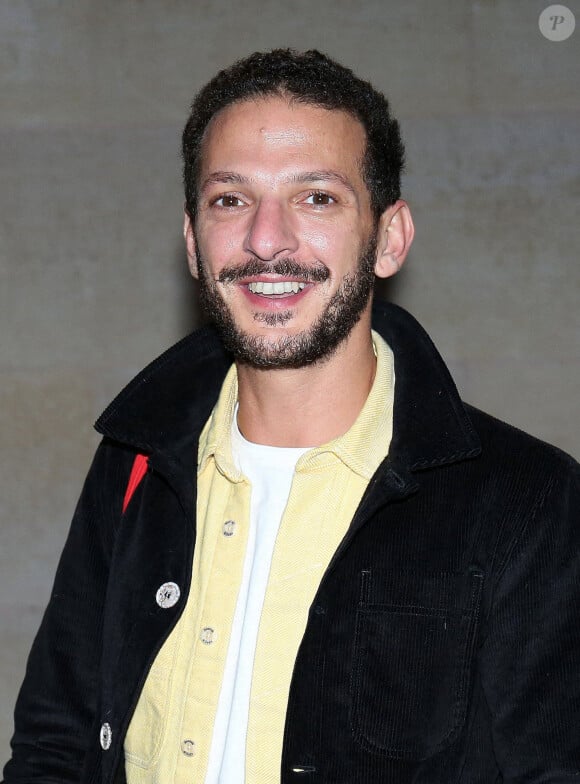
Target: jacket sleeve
[[57, 704], [531, 657]]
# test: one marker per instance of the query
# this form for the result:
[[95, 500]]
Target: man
[[332, 570]]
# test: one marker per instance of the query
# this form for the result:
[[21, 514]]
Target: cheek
[[218, 248], [319, 240], [334, 246], [231, 244], [227, 240]]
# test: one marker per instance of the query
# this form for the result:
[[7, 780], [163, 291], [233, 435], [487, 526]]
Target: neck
[[308, 406]]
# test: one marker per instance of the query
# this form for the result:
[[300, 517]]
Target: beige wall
[[93, 94]]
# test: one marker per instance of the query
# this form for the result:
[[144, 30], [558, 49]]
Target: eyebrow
[[321, 175], [225, 177]]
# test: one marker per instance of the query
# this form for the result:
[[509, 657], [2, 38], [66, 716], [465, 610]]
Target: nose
[[271, 233]]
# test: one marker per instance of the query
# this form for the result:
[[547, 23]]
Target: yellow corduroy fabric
[[169, 737]]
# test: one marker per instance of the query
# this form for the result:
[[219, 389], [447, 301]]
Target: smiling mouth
[[276, 288]]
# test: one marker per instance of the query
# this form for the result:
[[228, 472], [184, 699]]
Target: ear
[[394, 237], [190, 244]]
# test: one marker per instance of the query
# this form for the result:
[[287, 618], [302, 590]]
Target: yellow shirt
[[170, 734]]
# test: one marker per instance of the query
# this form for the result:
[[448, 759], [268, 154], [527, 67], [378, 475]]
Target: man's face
[[284, 235]]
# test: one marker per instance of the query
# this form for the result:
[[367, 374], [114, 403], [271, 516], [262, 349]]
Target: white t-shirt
[[270, 470]]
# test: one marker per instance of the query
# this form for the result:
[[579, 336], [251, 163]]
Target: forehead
[[279, 128]]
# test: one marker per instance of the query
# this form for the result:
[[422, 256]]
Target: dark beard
[[334, 324]]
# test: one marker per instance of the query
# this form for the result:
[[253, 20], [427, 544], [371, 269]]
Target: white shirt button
[[167, 595], [188, 747], [106, 736], [207, 635], [229, 528]]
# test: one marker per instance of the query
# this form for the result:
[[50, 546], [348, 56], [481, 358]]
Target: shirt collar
[[215, 440], [365, 445], [362, 448]]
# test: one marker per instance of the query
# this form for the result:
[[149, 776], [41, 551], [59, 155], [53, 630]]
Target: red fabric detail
[[138, 471]]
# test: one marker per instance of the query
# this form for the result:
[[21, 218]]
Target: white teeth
[[279, 287]]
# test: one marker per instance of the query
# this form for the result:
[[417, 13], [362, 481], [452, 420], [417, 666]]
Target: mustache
[[284, 267]]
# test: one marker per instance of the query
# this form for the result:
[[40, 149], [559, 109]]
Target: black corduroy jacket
[[443, 644]]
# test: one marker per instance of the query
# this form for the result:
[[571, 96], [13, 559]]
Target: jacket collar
[[166, 406], [430, 424]]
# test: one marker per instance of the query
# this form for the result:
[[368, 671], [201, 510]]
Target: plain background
[[93, 96]]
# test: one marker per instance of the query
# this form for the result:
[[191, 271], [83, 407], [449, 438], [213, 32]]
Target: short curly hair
[[312, 78]]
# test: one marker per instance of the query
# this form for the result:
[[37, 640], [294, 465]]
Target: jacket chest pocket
[[413, 651]]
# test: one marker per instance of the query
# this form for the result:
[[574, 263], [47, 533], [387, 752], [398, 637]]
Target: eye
[[228, 200], [319, 199]]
